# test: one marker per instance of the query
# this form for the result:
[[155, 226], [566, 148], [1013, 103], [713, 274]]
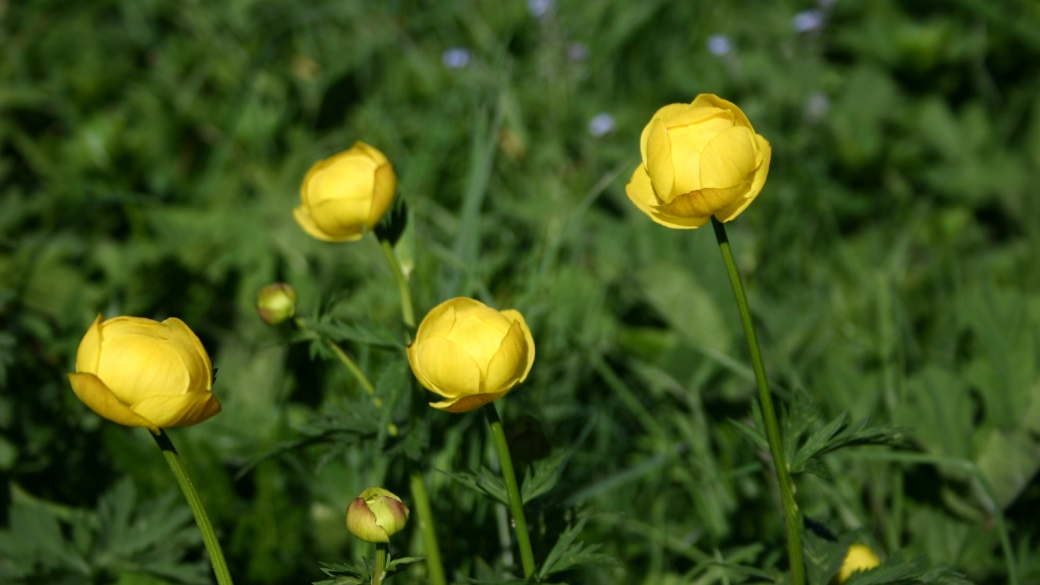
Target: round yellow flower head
[[142, 373], [859, 558], [699, 159], [376, 515], [470, 353], [276, 303], [347, 194]]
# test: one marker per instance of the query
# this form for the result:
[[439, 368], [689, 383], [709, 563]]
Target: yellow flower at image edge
[[470, 353], [141, 373], [347, 194], [699, 159], [859, 558]]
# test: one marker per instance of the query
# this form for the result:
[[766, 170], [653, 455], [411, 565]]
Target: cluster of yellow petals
[[699, 159], [470, 353], [141, 373]]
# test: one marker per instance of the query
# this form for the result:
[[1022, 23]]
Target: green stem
[[792, 518], [422, 507], [990, 503], [516, 503], [209, 537], [380, 571], [343, 357], [407, 312]]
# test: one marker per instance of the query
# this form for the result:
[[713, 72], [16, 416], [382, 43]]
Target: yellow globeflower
[[142, 373], [470, 353], [346, 194], [859, 558], [699, 159], [376, 515]]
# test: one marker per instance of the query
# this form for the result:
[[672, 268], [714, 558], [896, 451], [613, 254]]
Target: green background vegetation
[[151, 153]]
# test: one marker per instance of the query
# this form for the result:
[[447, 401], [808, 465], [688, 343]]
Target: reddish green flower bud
[[376, 515], [276, 303]]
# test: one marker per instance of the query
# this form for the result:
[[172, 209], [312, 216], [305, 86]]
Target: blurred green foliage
[[150, 156]]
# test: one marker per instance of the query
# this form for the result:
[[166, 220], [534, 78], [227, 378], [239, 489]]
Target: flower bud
[[347, 194], [142, 373], [276, 303], [699, 159], [470, 353], [376, 515], [859, 558]]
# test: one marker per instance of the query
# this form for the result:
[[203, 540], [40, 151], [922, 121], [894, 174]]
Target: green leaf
[[896, 570], [567, 554], [367, 334], [543, 475], [482, 480]]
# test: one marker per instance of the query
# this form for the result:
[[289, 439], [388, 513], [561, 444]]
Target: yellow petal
[[475, 334], [134, 366], [449, 369], [347, 176], [342, 219], [303, 217], [177, 411], [728, 159], [90, 348], [438, 322], [383, 193], [640, 191], [659, 161], [703, 203], [468, 403], [413, 361], [371, 152], [759, 180], [642, 194], [509, 364], [189, 347], [516, 317], [689, 140], [710, 100], [662, 114], [92, 392]]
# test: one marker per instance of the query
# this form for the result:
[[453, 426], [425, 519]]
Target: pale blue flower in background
[[816, 106], [601, 124], [539, 7], [807, 21], [455, 58], [577, 52], [719, 45]]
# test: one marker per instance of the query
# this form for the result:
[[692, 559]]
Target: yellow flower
[[346, 194], [859, 558], [142, 373], [699, 159], [470, 353], [376, 515]]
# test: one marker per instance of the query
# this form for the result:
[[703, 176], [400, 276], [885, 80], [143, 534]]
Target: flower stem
[[516, 503], [407, 312], [791, 515], [422, 507], [380, 571], [343, 357], [209, 537]]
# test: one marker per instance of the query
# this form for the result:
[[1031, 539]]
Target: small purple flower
[[807, 21], [577, 52], [601, 124], [539, 8], [719, 45], [455, 58]]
